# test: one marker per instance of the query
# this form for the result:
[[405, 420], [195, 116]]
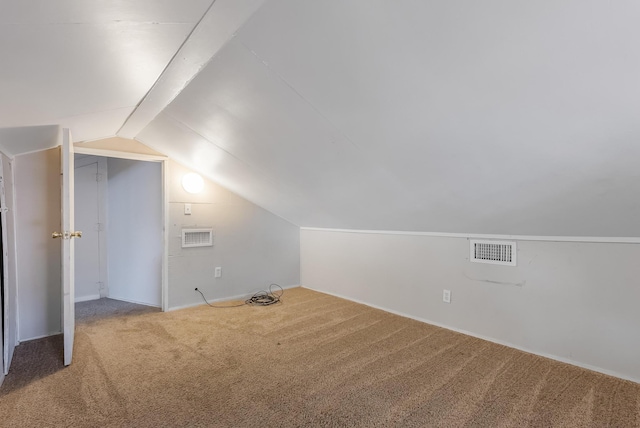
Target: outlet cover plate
[[446, 296]]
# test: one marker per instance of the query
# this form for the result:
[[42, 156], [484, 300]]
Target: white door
[[67, 236], [7, 347], [9, 263]]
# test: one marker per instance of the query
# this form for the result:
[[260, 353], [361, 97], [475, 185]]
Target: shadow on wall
[[26, 139], [602, 201]]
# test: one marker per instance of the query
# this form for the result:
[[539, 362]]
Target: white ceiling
[[505, 117], [86, 64]]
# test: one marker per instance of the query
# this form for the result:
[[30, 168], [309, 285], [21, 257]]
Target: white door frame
[[10, 254], [165, 204], [4, 335], [67, 237]]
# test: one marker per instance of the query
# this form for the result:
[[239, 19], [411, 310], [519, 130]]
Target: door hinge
[[100, 285], [98, 177], [98, 227]]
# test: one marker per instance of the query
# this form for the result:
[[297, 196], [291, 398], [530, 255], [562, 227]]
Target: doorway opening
[[119, 209]]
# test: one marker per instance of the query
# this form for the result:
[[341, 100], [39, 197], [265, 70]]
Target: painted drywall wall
[[11, 282], [135, 231], [87, 203], [28, 139], [253, 247], [577, 302], [37, 183]]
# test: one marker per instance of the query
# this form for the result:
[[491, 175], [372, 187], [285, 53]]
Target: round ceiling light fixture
[[192, 183]]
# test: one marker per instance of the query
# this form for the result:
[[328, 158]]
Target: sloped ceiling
[[86, 64], [488, 117], [504, 117]]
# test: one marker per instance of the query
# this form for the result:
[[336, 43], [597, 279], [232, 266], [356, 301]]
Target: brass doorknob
[[77, 234], [57, 235]]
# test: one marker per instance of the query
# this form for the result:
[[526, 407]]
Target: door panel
[[67, 242]]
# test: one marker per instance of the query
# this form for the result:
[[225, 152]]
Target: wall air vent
[[197, 238], [493, 252]]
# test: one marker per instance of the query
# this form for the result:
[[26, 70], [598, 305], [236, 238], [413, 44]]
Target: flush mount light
[[192, 183]]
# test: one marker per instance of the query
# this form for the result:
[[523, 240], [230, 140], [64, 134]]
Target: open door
[[7, 346], [67, 236]]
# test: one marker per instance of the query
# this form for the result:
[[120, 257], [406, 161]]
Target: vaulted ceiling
[[506, 117]]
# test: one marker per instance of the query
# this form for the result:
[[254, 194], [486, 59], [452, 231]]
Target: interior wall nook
[[135, 231], [253, 247], [119, 209]]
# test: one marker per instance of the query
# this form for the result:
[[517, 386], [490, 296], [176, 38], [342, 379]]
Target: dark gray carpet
[[95, 310]]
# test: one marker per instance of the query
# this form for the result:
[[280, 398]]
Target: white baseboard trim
[[489, 339], [133, 301], [586, 239], [221, 299], [39, 337], [87, 298], [1, 377]]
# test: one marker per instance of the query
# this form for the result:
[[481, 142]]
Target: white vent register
[[197, 238], [493, 252]]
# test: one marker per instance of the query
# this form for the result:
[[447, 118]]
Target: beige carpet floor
[[313, 361]]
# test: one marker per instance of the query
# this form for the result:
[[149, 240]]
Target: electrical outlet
[[446, 296], [218, 272], [187, 209]]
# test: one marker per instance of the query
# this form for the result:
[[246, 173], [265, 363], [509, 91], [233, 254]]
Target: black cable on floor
[[261, 298], [265, 298]]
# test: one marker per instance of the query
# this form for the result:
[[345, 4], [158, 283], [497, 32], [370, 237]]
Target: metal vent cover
[[197, 238], [493, 252]]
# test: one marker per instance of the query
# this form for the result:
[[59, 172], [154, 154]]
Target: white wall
[[135, 231], [253, 246], [37, 181], [87, 209], [577, 302]]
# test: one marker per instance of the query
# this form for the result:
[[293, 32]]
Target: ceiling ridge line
[[164, 70], [199, 69]]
